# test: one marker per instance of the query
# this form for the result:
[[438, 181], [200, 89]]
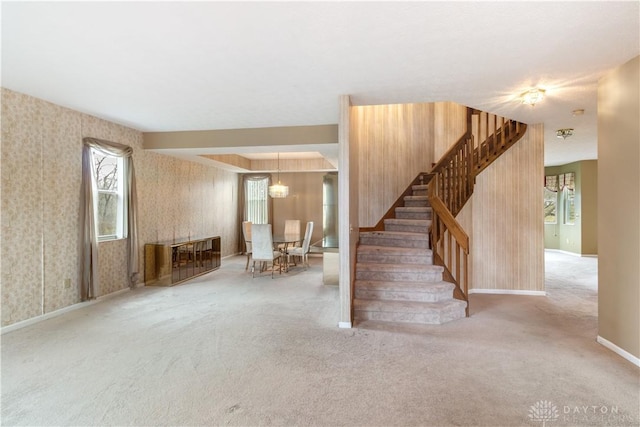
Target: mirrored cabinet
[[170, 263]]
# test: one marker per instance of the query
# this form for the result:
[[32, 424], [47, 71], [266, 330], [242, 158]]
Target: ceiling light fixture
[[532, 96], [278, 191], [564, 133], [578, 112]]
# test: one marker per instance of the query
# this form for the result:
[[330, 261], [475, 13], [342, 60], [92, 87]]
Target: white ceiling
[[167, 66]]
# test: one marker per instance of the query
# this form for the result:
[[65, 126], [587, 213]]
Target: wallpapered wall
[[41, 175]]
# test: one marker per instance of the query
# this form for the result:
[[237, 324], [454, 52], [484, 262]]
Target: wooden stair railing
[[450, 246], [451, 185], [497, 135], [455, 171]]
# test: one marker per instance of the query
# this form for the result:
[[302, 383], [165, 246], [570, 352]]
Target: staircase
[[413, 265], [396, 280]]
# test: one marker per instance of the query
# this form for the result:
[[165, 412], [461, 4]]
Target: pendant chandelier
[[278, 191]]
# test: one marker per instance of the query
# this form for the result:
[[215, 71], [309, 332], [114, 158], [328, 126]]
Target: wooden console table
[[170, 263]]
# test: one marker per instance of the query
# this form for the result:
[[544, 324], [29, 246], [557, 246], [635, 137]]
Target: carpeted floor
[[225, 349]]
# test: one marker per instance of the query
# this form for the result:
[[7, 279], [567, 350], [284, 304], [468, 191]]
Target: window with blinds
[[551, 199], [256, 203]]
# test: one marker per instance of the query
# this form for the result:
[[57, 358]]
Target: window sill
[[110, 239]]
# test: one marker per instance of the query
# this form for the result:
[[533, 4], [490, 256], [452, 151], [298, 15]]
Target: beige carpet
[[228, 350]]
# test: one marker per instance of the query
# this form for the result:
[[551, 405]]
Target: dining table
[[287, 240]]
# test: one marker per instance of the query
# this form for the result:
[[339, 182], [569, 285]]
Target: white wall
[[619, 207]]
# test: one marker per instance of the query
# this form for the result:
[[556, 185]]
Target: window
[[107, 208], [256, 200], [569, 206], [551, 199], [550, 206], [568, 187], [110, 214]]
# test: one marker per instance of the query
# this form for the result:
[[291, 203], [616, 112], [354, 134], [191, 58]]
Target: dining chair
[[246, 234], [262, 245], [291, 227], [303, 251]]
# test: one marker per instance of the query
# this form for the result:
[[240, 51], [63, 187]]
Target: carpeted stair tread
[[360, 266], [425, 287], [404, 291], [395, 238], [434, 313], [406, 306], [419, 190], [394, 254], [416, 201], [399, 272], [414, 212], [395, 235], [410, 225], [418, 187], [403, 221], [414, 208], [366, 249], [402, 239]]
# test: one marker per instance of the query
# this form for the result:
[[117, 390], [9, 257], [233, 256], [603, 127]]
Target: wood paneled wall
[[395, 144], [450, 123], [504, 216], [507, 233]]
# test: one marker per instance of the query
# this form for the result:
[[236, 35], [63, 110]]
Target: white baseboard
[[507, 292], [45, 316], [620, 352], [344, 325]]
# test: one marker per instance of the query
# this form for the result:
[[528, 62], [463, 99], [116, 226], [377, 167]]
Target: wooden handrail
[[450, 223]]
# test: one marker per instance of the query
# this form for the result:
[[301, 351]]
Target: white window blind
[[256, 202]]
